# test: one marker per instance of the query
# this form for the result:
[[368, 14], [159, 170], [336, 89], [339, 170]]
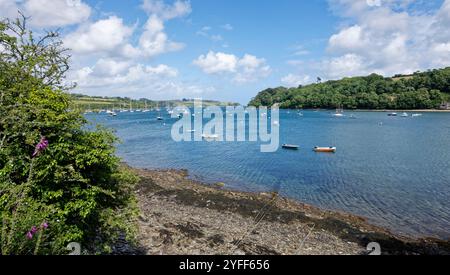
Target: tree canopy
[[422, 90]]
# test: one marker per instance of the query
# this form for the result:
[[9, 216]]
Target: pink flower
[[29, 235], [44, 225], [33, 230], [40, 147]]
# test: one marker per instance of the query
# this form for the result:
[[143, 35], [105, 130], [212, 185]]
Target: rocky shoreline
[[180, 216]]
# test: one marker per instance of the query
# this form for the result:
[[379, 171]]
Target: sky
[[230, 50]]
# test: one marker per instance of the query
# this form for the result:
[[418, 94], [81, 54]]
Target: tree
[[59, 182]]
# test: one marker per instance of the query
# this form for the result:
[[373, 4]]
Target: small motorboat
[[290, 146], [159, 118], [405, 115], [210, 137], [417, 115], [392, 114], [325, 149]]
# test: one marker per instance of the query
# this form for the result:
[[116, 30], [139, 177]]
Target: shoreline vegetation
[[181, 216], [419, 91]]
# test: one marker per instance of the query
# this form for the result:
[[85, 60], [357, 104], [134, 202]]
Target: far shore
[[181, 216], [380, 111]]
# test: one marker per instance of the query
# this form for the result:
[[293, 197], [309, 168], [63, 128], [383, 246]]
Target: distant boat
[[113, 113], [405, 115], [300, 114], [159, 116], [146, 110], [417, 115], [339, 112], [392, 114], [325, 149], [352, 116], [290, 146], [210, 137]]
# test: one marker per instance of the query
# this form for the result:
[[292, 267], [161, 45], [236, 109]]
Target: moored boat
[[325, 149], [290, 146]]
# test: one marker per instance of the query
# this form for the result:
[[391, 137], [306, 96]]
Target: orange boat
[[325, 149]]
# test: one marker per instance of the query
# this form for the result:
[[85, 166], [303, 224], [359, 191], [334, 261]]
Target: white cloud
[[348, 39], [227, 27], [9, 9], [292, 80], [214, 63], [167, 12], [116, 78], [249, 68], [47, 13], [385, 37], [154, 40], [56, 13], [346, 65], [106, 36]]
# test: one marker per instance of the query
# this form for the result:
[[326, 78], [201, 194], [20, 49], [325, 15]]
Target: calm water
[[397, 174]]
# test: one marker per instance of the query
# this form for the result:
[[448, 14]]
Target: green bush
[[74, 190]]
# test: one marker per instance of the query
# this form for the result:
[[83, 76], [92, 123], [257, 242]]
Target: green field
[[84, 103]]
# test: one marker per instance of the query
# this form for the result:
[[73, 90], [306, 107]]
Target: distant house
[[445, 106]]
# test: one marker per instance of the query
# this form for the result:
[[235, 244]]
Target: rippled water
[[397, 174]]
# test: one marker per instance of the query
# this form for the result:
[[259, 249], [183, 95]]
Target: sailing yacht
[[159, 116], [146, 110], [131, 107], [339, 112]]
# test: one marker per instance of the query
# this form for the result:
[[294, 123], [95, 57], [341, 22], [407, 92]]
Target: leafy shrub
[[74, 189]]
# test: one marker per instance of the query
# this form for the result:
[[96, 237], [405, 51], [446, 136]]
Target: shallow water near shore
[[395, 171]]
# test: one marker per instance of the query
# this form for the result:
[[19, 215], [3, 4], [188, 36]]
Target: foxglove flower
[[40, 147], [33, 230], [44, 225]]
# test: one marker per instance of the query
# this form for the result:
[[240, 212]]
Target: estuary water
[[393, 170]]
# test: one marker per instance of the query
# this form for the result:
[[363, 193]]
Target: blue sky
[[230, 50]]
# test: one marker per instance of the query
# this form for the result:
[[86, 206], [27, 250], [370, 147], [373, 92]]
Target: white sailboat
[[339, 112], [159, 116], [146, 110], [131, 107]]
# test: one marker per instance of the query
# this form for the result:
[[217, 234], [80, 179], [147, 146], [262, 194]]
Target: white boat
[[210, 137], [405, 115], [392, 114], [417, 115], [339, 112], [146, 110], [338, 115]]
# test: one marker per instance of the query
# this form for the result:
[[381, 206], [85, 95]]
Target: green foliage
[[76, 185], [420, 91]]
